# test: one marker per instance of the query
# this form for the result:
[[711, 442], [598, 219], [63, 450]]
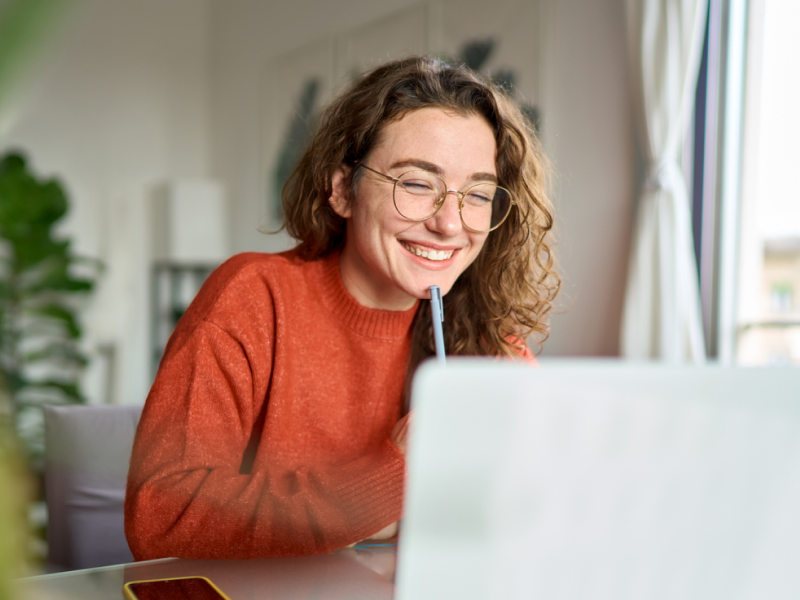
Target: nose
[[447, 220]]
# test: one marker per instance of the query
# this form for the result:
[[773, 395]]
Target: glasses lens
[[417, 193], [485, 207]]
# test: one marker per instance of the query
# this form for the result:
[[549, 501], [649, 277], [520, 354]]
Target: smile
[[429, 254]]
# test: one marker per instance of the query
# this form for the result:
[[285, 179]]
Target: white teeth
[[429, 254]]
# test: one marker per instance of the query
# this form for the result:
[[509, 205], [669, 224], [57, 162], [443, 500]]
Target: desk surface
[[353, 574]]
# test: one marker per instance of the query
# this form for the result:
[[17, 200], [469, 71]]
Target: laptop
[[604, 480]]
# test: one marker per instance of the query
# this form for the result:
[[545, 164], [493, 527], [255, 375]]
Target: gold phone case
[[128, 594]]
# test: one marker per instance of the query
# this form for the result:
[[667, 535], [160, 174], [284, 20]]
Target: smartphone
[[178, 588]]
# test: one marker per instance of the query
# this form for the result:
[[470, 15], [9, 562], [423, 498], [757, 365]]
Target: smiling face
[[383, 263]]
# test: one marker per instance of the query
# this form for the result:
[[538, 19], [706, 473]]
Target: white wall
[[246, 35], [588, 134], [120, 103]]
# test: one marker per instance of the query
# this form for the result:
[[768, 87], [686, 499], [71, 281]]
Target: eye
[[479, 197], [417, 186]]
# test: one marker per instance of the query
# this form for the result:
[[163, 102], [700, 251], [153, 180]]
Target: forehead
[[437, 135]]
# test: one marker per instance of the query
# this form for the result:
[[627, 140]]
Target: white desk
[[347, 574]]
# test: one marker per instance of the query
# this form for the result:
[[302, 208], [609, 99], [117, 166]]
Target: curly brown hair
[[508, 291]]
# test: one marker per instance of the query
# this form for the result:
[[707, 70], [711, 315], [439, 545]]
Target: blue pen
[[437, 313]]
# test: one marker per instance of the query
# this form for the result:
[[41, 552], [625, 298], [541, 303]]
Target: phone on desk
[[178, 588]]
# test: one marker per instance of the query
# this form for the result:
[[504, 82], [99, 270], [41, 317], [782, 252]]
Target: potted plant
[[40, 286]]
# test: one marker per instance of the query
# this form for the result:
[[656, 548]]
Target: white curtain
[[661, 318]]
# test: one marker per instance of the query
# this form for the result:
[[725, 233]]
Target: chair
[[87, 451]]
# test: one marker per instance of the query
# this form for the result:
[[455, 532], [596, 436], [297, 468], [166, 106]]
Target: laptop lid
[[602, 480]]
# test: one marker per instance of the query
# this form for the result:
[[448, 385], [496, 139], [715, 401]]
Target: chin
[[422, 289], [416, 281]]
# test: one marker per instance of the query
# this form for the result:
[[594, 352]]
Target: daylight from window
[[773, 337], [779, 161]]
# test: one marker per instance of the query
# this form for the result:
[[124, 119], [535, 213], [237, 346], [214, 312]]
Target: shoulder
[[245, 286], [239, 298], [521, 350], [251, 272], [245, 268]]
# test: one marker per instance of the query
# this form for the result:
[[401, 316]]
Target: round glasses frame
[[440, 201]]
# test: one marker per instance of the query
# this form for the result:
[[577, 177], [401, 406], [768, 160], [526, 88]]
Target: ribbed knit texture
[[266, 430]]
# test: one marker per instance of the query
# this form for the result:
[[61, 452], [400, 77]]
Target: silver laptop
[[602, 480]]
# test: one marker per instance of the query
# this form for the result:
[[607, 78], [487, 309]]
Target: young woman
[[276, 425]]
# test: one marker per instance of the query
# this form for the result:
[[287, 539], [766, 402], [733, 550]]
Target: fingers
[[400, 433], [387, 532]]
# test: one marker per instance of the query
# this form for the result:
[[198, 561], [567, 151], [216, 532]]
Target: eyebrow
[[437, 170]]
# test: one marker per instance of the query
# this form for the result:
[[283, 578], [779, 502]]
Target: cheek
[[372, 229], [477, 241], [383, 223], [373, 215]]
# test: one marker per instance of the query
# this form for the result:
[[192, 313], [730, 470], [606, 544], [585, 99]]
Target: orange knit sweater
[[266, 430]]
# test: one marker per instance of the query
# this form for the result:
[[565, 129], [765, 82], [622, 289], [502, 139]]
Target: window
[[768, 315], [781, 297], [746, 203]]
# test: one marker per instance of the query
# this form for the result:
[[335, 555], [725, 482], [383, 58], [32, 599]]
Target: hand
[[382, 562], [387, 532], [400, 433]]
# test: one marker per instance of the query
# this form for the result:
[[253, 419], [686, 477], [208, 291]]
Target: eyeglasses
[[418, 195]]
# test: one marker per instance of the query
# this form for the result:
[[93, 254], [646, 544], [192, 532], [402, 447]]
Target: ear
[[340, 192]]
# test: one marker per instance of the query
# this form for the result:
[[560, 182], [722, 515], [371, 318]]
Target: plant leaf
[[67, 388], [57, 351], [60, 314]]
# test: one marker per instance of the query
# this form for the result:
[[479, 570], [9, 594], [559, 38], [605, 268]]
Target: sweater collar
[[370, 322]]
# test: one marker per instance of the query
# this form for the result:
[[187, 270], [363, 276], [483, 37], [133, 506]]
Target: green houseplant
[[40, 356]]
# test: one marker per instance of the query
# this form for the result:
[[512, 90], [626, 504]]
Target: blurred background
[[156, 135], [136, 106]]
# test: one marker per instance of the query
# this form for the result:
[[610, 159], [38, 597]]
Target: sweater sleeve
[[526, 355], [522, 350], [188, 494]]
